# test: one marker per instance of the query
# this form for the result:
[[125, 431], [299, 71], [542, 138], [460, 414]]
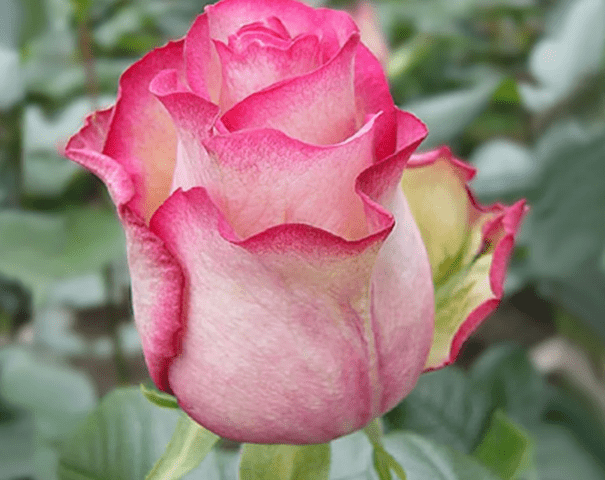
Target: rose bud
[[281, 286]]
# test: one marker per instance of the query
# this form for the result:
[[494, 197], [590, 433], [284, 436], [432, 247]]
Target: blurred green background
[[517, 87]]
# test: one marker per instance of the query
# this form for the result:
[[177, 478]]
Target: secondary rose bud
[[281, 286]]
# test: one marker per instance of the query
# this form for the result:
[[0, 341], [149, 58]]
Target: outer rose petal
[[264, 178], [157, 291], [157, 281], [294, 336], [316, 108], [468, 244], [85, 147], [141, 135]]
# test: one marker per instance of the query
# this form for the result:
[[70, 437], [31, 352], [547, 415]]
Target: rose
[[280, 284]]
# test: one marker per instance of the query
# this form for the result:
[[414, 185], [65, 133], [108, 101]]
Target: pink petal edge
[[278, 106], [141, 134], [157, 293], [501, 229]]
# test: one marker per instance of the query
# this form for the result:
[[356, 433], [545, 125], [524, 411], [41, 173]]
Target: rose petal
[[94, 133], [157, 291], [264, 178], [309, 184], [156, 277], [202, 65], [193, 118], [468, 244], [403, 334], [332, 27], [373, 96], [316, 108], [260, 66], [278, 27], [85, 147], [141, 135], [381, 181], [264, 29], [280, 341], [261, 32]]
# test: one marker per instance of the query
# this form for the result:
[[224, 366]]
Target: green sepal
[[383, 460], [506, 448], [189, 445], [158, 398]]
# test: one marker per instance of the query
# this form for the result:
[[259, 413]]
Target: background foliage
[[515, 86]]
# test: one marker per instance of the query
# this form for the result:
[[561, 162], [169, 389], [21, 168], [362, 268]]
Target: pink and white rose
[[281, 286]]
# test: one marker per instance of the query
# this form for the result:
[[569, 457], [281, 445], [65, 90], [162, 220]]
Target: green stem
[[383, 460]]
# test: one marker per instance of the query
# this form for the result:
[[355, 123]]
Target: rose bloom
[[281, 285]]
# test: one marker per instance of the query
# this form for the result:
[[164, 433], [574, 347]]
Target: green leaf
[[37, 248], [17, 452], [559, 456], [122, 439], [446, 115], [446, 408], [285, 462], [422, 459], [351, 458], [59, 395], [11, 82], [563, 242], [560, 61], [513, 383], [10, 22], [161, 399], [503, 168], [128, 20], [523, 394], [580, 333], [506, 449], [189, 445], [45, 172], [453, 408]]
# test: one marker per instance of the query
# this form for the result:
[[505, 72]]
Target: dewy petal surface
[[468, 244], [317, 108]]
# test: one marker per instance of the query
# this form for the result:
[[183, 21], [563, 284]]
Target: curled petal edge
[[157, 291], [485, 256]]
